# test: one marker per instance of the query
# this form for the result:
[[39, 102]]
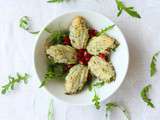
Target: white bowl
[[120, 58]]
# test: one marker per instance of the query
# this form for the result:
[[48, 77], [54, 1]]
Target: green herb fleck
[[130, 10], [24, 23], [55, 1], [111, 105], [153, 64], [103, 31], [144, 95], [13, 81], [96, 100], [51, 111]]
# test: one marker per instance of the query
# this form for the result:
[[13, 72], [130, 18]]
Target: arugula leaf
[[51, 111], [55, 70], [130, 10], [47, 30], [56, 37], [55, 1], [111, 105], [95, 85], [103, 31], [35, 32], [90, 87], [144, 95], [24, 23], [99, 84], [96, 100], [153, 64], [13, 81], [48, 76]]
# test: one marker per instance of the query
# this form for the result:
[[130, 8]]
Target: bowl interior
[[120, 58]]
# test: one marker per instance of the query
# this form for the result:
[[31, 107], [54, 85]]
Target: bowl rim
[[36, 43]]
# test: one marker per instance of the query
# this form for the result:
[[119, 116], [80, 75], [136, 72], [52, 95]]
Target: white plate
[[120, 58]]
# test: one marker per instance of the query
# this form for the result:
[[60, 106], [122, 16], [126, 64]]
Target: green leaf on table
[[130, 10], [111, 105], [13, 81], [25, 24], [144, 95], [103, 31], [96, 100], [153, 64], [55, 1], [35, 32], [51, 111]]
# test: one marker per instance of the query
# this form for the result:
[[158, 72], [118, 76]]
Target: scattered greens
[[13, 81], [57, 70], [96, 100], [51, 111], [130, 10], [145, 90], [153, 64], [24, 23], [103, 31], [111, 105], [144, 95], [120, 5], [55, 1]]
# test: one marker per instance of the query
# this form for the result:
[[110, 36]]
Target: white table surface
[[28, 102]]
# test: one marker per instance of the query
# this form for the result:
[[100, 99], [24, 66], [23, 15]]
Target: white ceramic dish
[[120, 58]]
